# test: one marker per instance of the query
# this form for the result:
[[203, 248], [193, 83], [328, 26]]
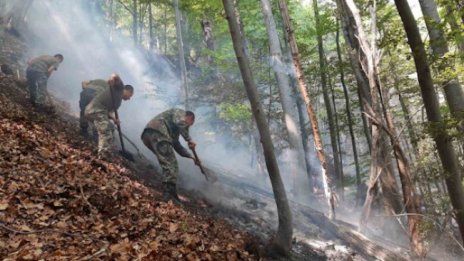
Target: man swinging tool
[[161, 136], [102, 108]]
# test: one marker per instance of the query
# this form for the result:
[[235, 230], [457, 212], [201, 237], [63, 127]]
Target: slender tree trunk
[[349, 115], [140, 23], [339, 143], [453, 90], [409, 198], [456, 28], [326, 177], [290, 116], [15, 17], [150, 25], [443, 141], [283, 240], [209, 43], [180, 48], [325, 92], [366, 75], [134, 21], [110, 18], [165, 29]]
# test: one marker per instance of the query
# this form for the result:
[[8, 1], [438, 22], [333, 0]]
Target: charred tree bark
[[348, 113], [180, 48], [301, 184], [325, 92], [443, 141], [326, 177], [283, 240]]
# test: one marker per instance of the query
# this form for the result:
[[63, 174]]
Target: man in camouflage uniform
[[37, 73], [161, 136], [101, 109], [89, 90]]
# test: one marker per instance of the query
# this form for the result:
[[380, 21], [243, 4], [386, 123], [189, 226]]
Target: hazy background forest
[[390, 120]]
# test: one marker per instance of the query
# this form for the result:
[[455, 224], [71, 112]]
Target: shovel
[[123, 151], [210, 178]]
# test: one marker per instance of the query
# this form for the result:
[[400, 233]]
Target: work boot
[[170, 193]]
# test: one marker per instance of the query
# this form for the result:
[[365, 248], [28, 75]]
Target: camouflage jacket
[[171, 124]]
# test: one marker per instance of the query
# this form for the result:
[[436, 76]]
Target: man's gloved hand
[[191, 144]]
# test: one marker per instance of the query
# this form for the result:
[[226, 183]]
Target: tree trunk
[[453, 90], [368, 56], [15, 16], [325, 92], [456, 28], [409, 197], [165, 29], [110, 18], [134, 21], [443, 141], [180, 48], [283, 240], [150, 26], [348, 113], [290, 117], [326, 177]]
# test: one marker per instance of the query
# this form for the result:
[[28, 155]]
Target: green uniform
[[89, 91], [37, 76], [161, 136], [97, 111]]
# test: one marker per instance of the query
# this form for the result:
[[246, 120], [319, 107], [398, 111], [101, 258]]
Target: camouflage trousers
[[37, 83], [162, 148], [86, 97], [105, 129]]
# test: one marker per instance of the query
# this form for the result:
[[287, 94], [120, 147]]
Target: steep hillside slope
[[58, 201]]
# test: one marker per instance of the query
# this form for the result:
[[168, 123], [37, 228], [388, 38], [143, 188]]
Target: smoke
[[75, 29]]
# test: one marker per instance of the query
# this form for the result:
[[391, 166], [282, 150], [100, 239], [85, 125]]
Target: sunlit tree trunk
[[348, 113], [326, 177], [180, 48], [301, 184], [443, 141], [283, 239], [325, 92]]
